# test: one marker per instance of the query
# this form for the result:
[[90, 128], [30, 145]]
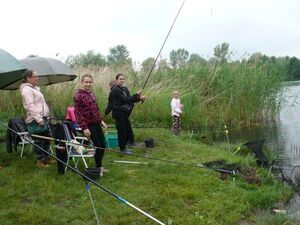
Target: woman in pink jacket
[[36, 109]]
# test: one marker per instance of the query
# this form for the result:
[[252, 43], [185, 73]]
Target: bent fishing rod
[[163, 45], [136, 155], [87, 178]]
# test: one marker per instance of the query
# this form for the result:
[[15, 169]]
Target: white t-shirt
[[176, 107]]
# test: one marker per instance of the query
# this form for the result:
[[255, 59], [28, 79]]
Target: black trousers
[[123, 127], [130, 136], [97, 137], [61, 153], [41, 144]]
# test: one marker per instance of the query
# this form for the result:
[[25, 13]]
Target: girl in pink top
[[70, 116]]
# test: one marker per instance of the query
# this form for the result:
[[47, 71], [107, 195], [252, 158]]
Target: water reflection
[[289, 126]]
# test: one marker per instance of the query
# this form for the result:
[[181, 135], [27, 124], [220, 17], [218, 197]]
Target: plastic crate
[[111, 139]]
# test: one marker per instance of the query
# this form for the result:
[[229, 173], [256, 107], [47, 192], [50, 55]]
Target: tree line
[[289, 67]]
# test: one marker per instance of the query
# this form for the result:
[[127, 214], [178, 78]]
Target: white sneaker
[[102, 171]]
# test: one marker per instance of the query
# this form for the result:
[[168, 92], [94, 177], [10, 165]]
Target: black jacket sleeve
[[121, 96], [109, 106]]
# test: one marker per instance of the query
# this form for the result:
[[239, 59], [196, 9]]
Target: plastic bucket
[[93, 173], [111, 140], [149, 143]]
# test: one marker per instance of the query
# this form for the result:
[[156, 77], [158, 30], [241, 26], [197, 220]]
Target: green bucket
[[111, 139]]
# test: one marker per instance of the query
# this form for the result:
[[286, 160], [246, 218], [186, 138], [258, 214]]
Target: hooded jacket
[[34, 103], [176, 107], [122, 100], [86, 109], [110, 104]]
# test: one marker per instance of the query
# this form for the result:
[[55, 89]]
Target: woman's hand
[[87, 133], [143, 98], [41, 123], [104, 124]]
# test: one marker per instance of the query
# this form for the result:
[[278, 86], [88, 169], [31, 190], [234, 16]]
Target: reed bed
[[236, 94]]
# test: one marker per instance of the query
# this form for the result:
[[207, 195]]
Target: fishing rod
[[88, 178], [136, 155], [162, 45]]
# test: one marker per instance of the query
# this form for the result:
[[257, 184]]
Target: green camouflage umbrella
[[11, 70]]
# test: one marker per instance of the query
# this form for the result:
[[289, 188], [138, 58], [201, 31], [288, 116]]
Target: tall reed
[[212, 94]]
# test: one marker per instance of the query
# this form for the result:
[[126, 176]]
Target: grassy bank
[[174, 194]]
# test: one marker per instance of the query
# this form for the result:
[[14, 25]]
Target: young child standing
[[176, 107]]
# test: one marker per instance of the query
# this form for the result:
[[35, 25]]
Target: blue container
[[111, 140]]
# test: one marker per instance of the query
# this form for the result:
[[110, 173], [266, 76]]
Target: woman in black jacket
[[122, 104]]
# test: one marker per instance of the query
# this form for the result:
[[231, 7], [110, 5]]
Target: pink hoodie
[[71, 114], [33, 102]]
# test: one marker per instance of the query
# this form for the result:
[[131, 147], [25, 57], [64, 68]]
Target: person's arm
[[127, 99], [104, 124], [79, 111], [109, 106]]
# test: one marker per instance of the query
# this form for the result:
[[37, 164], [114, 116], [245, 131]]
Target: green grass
[[172, 193]]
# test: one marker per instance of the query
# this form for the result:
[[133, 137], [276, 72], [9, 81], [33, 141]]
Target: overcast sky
[[48, 27]]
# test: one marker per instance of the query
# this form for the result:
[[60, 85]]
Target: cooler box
[[111, 139]]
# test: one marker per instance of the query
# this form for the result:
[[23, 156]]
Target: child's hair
[[86, 75], [175, 93]]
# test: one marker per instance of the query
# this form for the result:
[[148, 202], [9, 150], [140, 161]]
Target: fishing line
[[162, 45], [87, 178], [135, 155], [132, 154]]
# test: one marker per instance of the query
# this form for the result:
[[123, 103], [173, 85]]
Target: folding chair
[[19, 135], [25, 139], [73, 142]]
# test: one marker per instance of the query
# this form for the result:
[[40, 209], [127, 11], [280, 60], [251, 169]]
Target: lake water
[[282, 137]]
